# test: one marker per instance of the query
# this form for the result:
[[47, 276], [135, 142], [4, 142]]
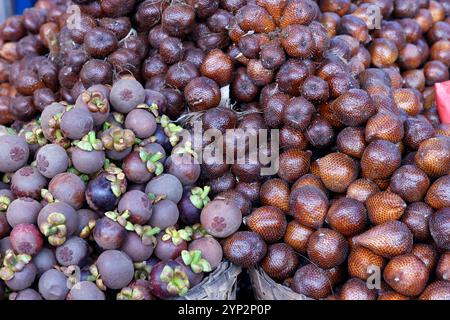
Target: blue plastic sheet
[[21, 5]]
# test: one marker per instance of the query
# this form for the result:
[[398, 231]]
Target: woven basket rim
[[221, 283], [265, 288]]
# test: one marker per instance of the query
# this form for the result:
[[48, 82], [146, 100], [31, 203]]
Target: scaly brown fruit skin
[[443, 267], [347, 216], [309, 179], [298, 113], [308, 205], [380, 159], [312, 281], [389, 239], [240, 200], [269, 222], [356, 289], [293, 164], [297, 236], [280, 262], [385, 206], [438, 290], [337, 171], [438, 195], [427, 254], [361, 261], [354, 107], [275, 192], [362, 189], [244, 248], [406, 274], [392, 295], [416, 217], [410, 183], [202, 93], [327, 248], [439, 228], [384, 126], [384, 52], [417, 130], [218, 66], [351, 141], [433, 157]]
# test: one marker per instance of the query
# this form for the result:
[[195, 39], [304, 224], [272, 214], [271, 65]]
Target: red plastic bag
[[442, 94]]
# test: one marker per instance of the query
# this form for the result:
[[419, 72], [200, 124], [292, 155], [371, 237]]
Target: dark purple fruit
[[116, 269], [168, 279], [109, 234], [26, 238]]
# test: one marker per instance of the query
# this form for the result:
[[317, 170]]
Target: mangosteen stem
[[4, 203], [153, 108], [87, 230], [121, 218], [177, 281], [198, 231], [195, 261], [116, 177], [199, 197], [13, 263], [89, 143], [36, 136], [55, 228], [187, 149], [177, 236], [128, 293], [106, 126], [154, 198], [6, 178], [47, 196], [147, 233], [120, 118], [95, 277], [170, 129], [152, 161], [142, 270]]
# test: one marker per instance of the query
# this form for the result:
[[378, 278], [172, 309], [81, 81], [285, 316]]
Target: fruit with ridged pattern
[[406, 274], [351, 141], [362, 189], [362, 262], [312, 281], [443, 267], [280, 262], [308, 205], [385, 206], [337, 171], [244, 248], [347, 216], [293, 164], [438, 195], [269, 222], [275, 192], [438, 290], [416, 217], [440, 228], [426, 253], [327, 248], [356, 289], [380, 159], [410, 183], [389, 239], [433, 157], [297, 236]]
